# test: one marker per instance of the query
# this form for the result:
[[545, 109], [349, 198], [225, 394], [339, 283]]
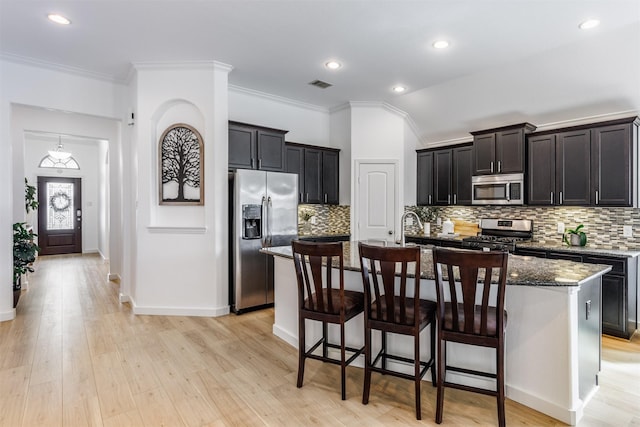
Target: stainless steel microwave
[[507, 189]]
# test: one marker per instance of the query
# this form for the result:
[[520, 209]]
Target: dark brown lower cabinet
[[619, 289]]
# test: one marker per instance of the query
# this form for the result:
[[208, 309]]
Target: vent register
[[320, 84]]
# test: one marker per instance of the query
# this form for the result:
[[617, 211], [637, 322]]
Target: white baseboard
[[183, 311], [8, 315], [569, 416], [288, 337]]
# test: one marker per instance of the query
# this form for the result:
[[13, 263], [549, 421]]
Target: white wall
[[86, 153], [307, 124], [411, 142], [27, 85], [340, 131], [591, 80], [179, 255]]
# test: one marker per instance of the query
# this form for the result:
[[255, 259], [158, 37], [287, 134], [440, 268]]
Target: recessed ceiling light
[[441, 44], [399, 89], [58, 19], [588, 24], [333, 65]]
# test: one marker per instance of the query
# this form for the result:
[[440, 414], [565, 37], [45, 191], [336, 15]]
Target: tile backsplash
[[329, 219], [603, 226]]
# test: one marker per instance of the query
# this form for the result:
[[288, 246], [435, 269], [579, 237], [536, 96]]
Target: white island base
[[552, 340]]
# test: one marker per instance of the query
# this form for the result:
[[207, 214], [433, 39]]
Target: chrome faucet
[[404, 216]]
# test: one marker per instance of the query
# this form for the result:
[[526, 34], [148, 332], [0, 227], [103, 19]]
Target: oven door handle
[[508, 192]]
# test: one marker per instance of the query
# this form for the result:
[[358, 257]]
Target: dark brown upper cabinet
[[442, 183], [500, 150], [444, 176], [256, 147], [318, 172], [573, 168], [588, 165], [462, 171], [612, 154], [425, 178]]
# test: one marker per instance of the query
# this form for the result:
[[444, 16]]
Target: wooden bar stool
[[322, 299], [390, 308], [462, 320]]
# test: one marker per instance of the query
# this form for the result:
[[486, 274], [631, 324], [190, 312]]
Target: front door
[[376, 200], [59, 215]]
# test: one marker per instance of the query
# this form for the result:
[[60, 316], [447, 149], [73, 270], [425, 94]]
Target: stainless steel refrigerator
[[263, 211]]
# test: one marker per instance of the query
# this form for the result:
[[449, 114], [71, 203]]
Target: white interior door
[[376, 200]]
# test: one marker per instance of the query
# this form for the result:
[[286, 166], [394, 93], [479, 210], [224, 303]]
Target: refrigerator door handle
[[269, 235], [264, 221]]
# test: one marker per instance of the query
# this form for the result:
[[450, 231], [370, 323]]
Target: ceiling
[[509, 60]]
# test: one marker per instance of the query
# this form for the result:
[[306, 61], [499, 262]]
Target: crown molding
[[276, 98], [587, 120], [181, 65], [445, 142], [24, 60]]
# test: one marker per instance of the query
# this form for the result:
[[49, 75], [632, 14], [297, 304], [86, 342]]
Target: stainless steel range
[[500, 234]]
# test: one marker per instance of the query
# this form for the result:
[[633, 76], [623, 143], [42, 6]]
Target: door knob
[[390, 232]]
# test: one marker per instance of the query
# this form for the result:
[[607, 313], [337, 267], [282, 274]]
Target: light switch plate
[[627, 231], [438, 221], [561, 228], [313, 220], [408, 220]]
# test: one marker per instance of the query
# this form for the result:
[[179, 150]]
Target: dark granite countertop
[[321, 235], [435, 236], [582, 250], [522, 270]]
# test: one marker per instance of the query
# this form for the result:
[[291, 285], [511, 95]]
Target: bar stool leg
[[442, 361], [432, 334], [343, 365], [367, 365], [500, 384], [301, 351], [417, 379]]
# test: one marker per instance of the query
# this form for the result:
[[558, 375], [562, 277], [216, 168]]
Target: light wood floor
[[74, 356]]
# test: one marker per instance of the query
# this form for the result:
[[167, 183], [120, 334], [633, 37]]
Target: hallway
[[75, 356]]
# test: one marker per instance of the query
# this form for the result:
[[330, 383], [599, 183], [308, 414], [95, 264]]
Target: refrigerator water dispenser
[[251, 221]]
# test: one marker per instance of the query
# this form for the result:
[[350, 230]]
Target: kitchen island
[[552, 338]]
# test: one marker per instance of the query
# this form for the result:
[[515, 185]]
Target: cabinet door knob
[[499, 167], [597, 199], [560, 198], [491, 167], [552, 197], [455, 199], [325, 197]]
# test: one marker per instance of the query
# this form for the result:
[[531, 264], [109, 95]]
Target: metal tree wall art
[[181, 166]]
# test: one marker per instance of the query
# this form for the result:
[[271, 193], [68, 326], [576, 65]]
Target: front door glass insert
[[60, 206]]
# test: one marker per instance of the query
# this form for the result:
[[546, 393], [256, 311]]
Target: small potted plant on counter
[[427, 215], [305, 218], [24, 254], [575, 236]]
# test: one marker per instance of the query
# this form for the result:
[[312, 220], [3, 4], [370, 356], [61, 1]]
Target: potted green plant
[[305, 216], [30, 201], [427, 215], [575, 236], [24, 254]]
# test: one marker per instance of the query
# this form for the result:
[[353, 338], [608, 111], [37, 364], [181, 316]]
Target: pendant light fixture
[[59, 159], [59, 153]]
